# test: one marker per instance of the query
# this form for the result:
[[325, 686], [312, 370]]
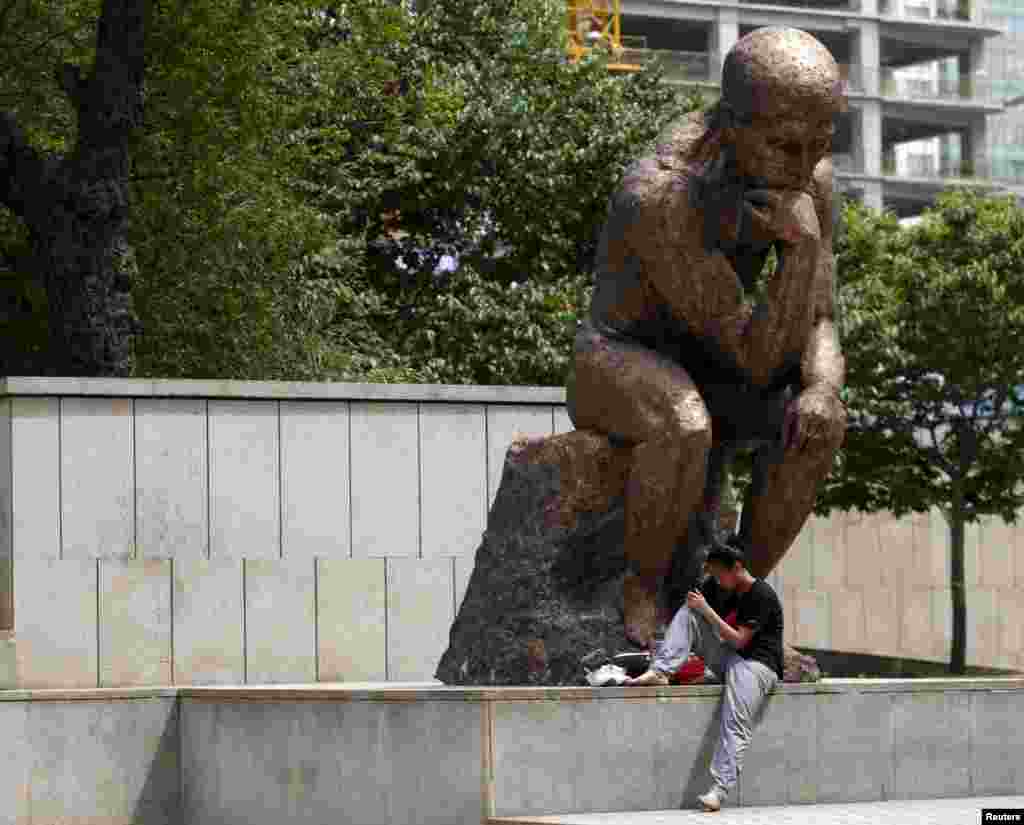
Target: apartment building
[[922, 85]]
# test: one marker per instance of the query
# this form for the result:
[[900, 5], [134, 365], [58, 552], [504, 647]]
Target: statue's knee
[[690, 429], [831, 435]]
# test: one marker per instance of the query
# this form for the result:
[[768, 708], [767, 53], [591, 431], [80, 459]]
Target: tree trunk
[[958, 649], [76, 207]]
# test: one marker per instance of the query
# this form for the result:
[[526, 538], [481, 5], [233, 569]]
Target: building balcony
[[973, 88], [923, 11], [679, 66], [853, 6]]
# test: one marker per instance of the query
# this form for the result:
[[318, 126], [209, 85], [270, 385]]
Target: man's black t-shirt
[[758, 608]]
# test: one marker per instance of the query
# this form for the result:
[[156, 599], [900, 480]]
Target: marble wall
[[196, 534]]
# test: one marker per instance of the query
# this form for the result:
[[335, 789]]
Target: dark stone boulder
[[546, 588], [545, 595]]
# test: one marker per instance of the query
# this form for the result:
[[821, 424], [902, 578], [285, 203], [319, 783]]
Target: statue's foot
[[640, 606]]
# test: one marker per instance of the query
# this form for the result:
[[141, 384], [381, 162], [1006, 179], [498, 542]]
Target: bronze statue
[[676, 358]]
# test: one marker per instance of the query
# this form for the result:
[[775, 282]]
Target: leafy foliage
[[304, 167], [932, 319]]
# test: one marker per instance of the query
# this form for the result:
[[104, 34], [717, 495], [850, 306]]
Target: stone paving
[[901, 812]]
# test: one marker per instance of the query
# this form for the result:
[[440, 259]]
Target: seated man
[[747, 658]]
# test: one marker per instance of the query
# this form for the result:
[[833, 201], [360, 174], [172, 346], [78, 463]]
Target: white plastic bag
[[606, 675]]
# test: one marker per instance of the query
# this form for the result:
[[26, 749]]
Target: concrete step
[[965, 811]]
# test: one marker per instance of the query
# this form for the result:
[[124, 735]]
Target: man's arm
[[737, 637]]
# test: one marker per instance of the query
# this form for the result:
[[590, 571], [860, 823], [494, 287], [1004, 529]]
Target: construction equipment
[[597, 24]]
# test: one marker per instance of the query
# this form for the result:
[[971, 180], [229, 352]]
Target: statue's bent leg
[[781, 497], [632, 392]]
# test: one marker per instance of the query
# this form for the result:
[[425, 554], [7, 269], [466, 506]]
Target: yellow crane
[[593, 23]]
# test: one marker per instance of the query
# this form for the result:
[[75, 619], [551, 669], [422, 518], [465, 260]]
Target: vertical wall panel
[[208, 618], [314, 479], [351, 620], [55, 623], [35, 469], [453, 488], [463, 571], [896, 546], [385, 480], [863, 554], [829, 550], [6, 509], [504, 425], [996, 558], [135, 622], [171, 477], [97, 478], [244, 480], [562, 422], [280, 632], [419, 616]]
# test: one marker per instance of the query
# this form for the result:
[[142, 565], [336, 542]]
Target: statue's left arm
[[818, 415], [823, 364]]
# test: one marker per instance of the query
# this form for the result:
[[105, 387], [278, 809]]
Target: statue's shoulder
[[660, 176]]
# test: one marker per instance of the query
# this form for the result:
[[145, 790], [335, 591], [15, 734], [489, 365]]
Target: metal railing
[[972, 87], [679, 66], [846, 162], [841, 5], [942, 10], [936, 170]]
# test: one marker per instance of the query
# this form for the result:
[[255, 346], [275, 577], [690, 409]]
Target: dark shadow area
[[839, 665], [698, 780], [160, 801]]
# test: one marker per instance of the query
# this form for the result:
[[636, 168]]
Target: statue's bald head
[[782, 72], [781, 92]]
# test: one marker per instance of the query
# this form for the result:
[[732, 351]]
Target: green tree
[[292, 153], [498, 153], [933, 317], [64, 171]]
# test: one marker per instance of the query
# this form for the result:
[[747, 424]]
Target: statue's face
[[782, 152]]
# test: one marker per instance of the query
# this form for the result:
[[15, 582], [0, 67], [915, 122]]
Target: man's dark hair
[[726, 554]]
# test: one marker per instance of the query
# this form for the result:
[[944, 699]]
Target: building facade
[[925, 82]]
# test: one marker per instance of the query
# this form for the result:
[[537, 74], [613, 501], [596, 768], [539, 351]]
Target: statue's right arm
[[651, 220]]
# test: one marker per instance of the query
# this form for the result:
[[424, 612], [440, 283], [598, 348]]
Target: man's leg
[[627, 390], [747, 684], [688, 633]]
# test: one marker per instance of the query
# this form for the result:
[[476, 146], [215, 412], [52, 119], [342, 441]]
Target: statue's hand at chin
[[780, 214], [814, 418]]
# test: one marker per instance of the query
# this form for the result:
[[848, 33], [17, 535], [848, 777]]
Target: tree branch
[[110, 106], [21, 167]]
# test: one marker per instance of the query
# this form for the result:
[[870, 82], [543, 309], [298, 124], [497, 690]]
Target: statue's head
[[784, 90]]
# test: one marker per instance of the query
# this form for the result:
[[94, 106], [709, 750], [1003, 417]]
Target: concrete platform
[[965, 811], [398, 754]]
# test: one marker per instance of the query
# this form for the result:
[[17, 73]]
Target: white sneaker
[[712, 800]]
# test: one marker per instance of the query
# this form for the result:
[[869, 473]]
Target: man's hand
[[695, 601], [779, 214], [815, 416]]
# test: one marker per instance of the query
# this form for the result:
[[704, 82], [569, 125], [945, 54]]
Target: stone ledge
[[86, 694], [413, 693], [427, 692], [277, 390]]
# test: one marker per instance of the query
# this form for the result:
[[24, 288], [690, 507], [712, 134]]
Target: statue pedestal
[[546, 587]]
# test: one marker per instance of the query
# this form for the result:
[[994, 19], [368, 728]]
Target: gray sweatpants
[[747, 684]]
